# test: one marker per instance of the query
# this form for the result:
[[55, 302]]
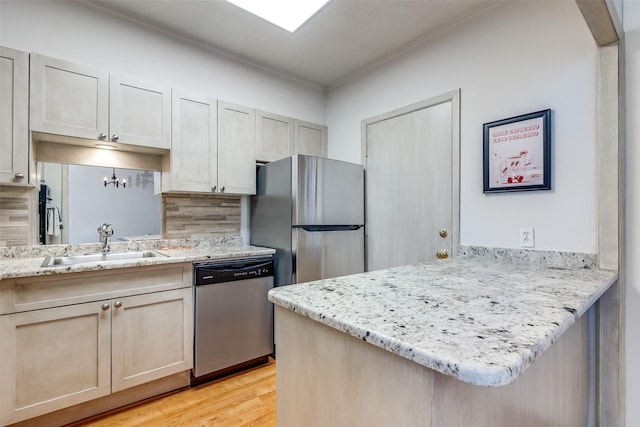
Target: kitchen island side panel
[[326, 377]]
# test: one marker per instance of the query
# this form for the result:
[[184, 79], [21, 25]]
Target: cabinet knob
[[105, 307], [442, 254], [222, 188], [214, 188], [102, 136], [117, 304], [19, 176], [114, 137], [443, 232]]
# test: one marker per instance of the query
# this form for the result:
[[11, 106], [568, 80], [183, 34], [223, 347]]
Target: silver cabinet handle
[[222, 188], [19, 176], [214, 188], [102, 135], [114, 137], [117, 304], [105, 307]]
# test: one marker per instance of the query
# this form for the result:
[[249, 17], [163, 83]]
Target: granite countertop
[[26, 261], [481, 321]]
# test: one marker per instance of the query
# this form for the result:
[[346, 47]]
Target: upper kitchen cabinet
[[274, 136], [73, 100], [14, 116], [194, 150], [236, 149], [139, 113], [310, 139], [69, 99]]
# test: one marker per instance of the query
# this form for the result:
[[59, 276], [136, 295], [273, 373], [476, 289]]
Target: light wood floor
[[247, 398]]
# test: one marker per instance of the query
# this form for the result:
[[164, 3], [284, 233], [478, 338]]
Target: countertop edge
[[468, 371], [30, 267]]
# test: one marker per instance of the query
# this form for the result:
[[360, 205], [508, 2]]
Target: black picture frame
[[517, 153]]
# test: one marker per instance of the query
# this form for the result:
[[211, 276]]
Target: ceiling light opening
[[287, 14]]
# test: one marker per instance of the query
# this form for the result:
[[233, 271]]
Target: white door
[[53, 358], [310, 139], [411, 160], [152, 337], [194, 144], [139, 113], [14, 116], [68, 99], [274, 136], [236, 149]]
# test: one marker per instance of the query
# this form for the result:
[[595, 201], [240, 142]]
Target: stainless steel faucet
[[105, 231]]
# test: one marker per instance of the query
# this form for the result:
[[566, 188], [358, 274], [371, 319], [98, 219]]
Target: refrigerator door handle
[[319, 228]]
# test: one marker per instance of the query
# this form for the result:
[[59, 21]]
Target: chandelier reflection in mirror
[[114, 180]]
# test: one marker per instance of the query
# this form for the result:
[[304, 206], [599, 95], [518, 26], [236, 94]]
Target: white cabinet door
[[310, 139], [152, 337], [14, 116], [68, 99], [236, 149], [274, 136], [73, 100], [194, 145], [139, 113], [53, 358]]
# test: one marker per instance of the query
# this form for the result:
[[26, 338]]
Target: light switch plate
[[527, 239]]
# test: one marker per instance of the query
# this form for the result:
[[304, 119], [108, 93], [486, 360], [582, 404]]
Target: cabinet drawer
[[33, 293]]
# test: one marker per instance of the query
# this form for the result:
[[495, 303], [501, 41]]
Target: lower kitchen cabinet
[[151, 337], [54, 358]]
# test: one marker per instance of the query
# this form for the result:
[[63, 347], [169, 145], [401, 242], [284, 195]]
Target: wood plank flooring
[[247, 398]]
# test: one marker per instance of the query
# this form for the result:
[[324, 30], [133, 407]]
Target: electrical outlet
[[527, 239]]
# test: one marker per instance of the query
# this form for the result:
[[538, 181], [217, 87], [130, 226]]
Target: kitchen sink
[[51, 261]]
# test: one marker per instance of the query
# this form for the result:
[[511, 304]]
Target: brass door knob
[[443, 232], [442, 254]]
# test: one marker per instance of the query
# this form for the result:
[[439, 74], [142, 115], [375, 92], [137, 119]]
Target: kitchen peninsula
[[448, 343]]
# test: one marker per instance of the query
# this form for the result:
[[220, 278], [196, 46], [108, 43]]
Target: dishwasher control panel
[[229, 270]]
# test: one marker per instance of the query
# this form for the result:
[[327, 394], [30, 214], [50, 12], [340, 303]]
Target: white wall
[[515, 58], [74, 31], [632, 309], [132, 211]]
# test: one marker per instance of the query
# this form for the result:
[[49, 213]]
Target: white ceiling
[[345, 38]]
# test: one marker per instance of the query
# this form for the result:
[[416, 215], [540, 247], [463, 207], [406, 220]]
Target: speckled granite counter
[[480, 321], [26, 261]]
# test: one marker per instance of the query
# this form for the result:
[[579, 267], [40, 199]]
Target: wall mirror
[[74, 200]]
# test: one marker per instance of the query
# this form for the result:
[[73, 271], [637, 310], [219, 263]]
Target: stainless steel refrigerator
[[311, 211]]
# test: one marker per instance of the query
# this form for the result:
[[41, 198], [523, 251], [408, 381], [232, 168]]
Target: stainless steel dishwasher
[[233, 321]]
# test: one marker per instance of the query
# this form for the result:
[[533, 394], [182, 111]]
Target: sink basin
[[98, 257]]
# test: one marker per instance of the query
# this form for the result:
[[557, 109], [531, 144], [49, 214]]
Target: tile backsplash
[[199, 216], [18, 215]]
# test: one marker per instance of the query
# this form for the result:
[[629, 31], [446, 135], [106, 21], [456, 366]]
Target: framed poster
[[517, 153]]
